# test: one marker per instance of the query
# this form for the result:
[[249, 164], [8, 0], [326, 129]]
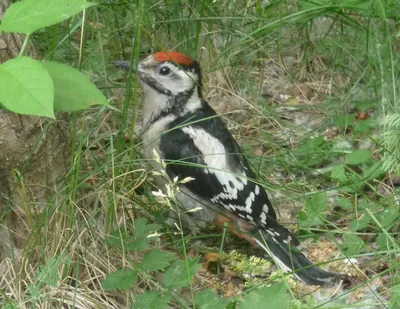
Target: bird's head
[[168, 73]]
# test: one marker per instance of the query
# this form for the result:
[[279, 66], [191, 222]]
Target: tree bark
[[34, 156]]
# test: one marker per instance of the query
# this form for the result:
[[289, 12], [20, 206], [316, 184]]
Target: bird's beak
[[123, 64]]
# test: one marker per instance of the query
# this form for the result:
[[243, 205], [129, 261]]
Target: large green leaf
[[30, 15], [359, 224], [316, 207], [269, 297], [156, 260], [119, 280], [26, 87], [208, 299], [388, 216], [179, 273], [358, 156], [143, 229], [352, 244], [339, 173], [120, 239], [72, 90], [343, 203], [151, 300]]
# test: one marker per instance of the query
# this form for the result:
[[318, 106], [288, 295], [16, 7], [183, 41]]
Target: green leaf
[[312, 151], [363, 222], [26, 87], [344, 121], [269, 297], [136, 245], [119, 280], [343, 203], [156, 260], [114, 239], [395, 299], [142, 229], [302, 216], [352, 244], [339, 173], [366, 105], [358, 157], [208, 299], [179, 273], [316, 206], [72, 90], [374, 171], [383, 241], [135, 242], [30, 15], [388, 216], [151, 300], [128, 242], [48, 273], [363, 127], [363, 204]]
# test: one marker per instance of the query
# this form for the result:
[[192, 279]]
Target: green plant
[[32, 87], [176, 274]]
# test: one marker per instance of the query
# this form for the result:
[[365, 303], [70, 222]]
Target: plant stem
[[23, 47]]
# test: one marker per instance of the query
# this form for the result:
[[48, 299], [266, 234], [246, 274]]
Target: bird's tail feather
[[290, 258]]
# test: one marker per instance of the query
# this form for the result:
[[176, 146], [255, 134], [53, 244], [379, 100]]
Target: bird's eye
[[164, 71]]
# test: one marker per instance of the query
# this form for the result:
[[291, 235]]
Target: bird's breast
[[152, 134]]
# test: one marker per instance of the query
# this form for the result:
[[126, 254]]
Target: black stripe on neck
[[155, 85]]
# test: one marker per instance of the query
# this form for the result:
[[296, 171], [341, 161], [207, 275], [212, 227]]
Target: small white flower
[[187, 179], [158, 159], [170, 191], [156, 156], [158, 193]]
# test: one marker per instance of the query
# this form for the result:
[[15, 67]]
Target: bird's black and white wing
[[205, 150]]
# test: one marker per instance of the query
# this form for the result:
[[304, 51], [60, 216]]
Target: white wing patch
[[215, 157], [249, 202], [263, 218], [263, 215]]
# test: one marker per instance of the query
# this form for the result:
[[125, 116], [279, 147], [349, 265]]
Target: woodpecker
[[194, 142]]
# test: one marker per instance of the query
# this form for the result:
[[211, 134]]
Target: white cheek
[[171, 85], [184, 83]]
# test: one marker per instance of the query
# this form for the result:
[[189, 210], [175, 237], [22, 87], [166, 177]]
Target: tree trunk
[[33, 157]]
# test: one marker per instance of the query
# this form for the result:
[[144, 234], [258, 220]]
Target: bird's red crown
[[174, 57]]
